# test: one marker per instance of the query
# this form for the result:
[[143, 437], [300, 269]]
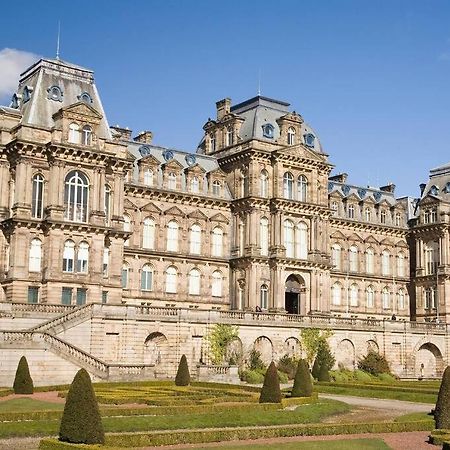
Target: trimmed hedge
[[270, 391], [380, 386], [291, 401], [442, 409], [54, 444], [438, 437], [303, 386], [23, 384], [183, 376], [324, 374]]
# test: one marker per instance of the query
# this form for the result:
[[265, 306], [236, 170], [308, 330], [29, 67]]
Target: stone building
[[251, 222]]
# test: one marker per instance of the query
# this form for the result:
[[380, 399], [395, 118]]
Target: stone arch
[[294, 291], [345, 354], [292, 347], [372, 346], [429, 361], [264, 346], [234, 352], [156, 348]]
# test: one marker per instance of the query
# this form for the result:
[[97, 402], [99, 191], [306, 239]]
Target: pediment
[[371, 240], [300, 150], [217, 172], [149, 160], [197, 214], [369, 200], [128, 204], [384, 203], [209, 124], [353, 198], [151, 207], [355, 237], [81, 109], [401, 244], [174, 211], [336, 195], [292, 117], [219, 218], [173, 164], [386, 241], [429, 200], [196, 168], [338, 235]]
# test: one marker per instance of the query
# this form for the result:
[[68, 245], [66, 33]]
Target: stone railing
[[227, 374], [40, 307], [77, 313]]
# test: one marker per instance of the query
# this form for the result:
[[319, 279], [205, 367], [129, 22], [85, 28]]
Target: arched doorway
[[264, 346], [156, 348], [429, 361], [294, 286], [345, 354]]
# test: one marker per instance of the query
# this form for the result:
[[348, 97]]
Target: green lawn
[[345, 444], [313, 413], [413, 417], [28, 404]]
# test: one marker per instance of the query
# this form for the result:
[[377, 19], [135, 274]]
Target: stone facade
[[251, 222]]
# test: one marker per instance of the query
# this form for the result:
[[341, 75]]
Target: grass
[[413, 417], [344, 444], [28, 404], [233, 418]]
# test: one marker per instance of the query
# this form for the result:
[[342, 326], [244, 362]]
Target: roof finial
[[259, 82], [57, 42]]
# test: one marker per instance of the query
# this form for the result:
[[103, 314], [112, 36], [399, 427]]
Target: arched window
[[216, 188], [240, 297], [354, 295], [385, 263], [401, 265], [37, 200], [148, 233], [431, 257], [336, 256], [212, 142], [368, 214], [126, 227], [195, 239], [383, 216], [172, 236], [147, 278], [353, 259], [125, 275], [386, 298], [370, 297], [74, 133], [107, 203], [264, 236], [216, 287], [83, 257], [86, 136], [334, 208], [241, 231], [401, 299], [289, 238], [35, 258], [105, 261], [264, 297], [171, 280], [351, 211], [172, 181], [243, 181], [230, 136], [370, 260], [336, 294], [398, 219], [148, 177], [301, 243], [217, 241], [264, 183], [302, 188], [195, 185], [76, 193], [194, 282], [288, 186], [291, 136], [69, 256]]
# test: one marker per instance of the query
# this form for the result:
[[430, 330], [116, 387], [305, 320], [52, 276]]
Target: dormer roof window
[[309, 139], [144, 150], [26, 94], [85, 97], [168, 155], [434, 190], [190, 160], [268, 130], [15, 101], [447, 188], [55, 93]]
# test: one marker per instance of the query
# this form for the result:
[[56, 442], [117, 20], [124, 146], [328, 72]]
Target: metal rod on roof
[[57, 41]]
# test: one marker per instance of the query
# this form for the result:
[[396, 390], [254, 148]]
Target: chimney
[[422, 187], [122, 133], [340, 177], [144, 137], [223, 107], [388, 188]]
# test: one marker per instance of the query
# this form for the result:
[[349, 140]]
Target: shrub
[[220, 337], [283, 377], [386, 378], [288, 365], [342, 375], [374, 363], [324, 355], [302, 383], [254, 361], [442, 409], [363, 377], [252, 376], [324, 374], [23, 383], [271, 392], [316, 368], [183, 378], [81, 422]]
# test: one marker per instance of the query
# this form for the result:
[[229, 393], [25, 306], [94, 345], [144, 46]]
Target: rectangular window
[[66, 296], [105, 261], [104, 296], [33, 295], [81, 296]]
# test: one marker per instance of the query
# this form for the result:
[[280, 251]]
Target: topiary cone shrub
[[270, 391], [324, 374], [302, 382], [316, 368], [442, 409], [23, 383], [81, 422], [183, 378]]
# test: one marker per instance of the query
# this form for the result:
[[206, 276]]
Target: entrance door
[[293, 288]]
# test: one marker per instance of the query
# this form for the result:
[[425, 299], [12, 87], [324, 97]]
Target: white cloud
[[12, 63]]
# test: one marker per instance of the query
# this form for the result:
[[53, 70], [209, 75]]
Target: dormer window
[[447, 188], [55, 93], [268, 130], [291, 136], [148, 177], [172, 181], [383, 217], [85, 97], [216, 187], [195, 185], [351, 212], [74, 133], [87, 135], [434, 190], [26, 95], [309, 139], [15, 101], [212, 143], [230, 136]]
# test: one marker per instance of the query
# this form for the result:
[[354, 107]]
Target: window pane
[[33, 294], [66, 296], [81, 296]]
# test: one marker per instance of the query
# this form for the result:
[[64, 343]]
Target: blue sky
[[371, 77]]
